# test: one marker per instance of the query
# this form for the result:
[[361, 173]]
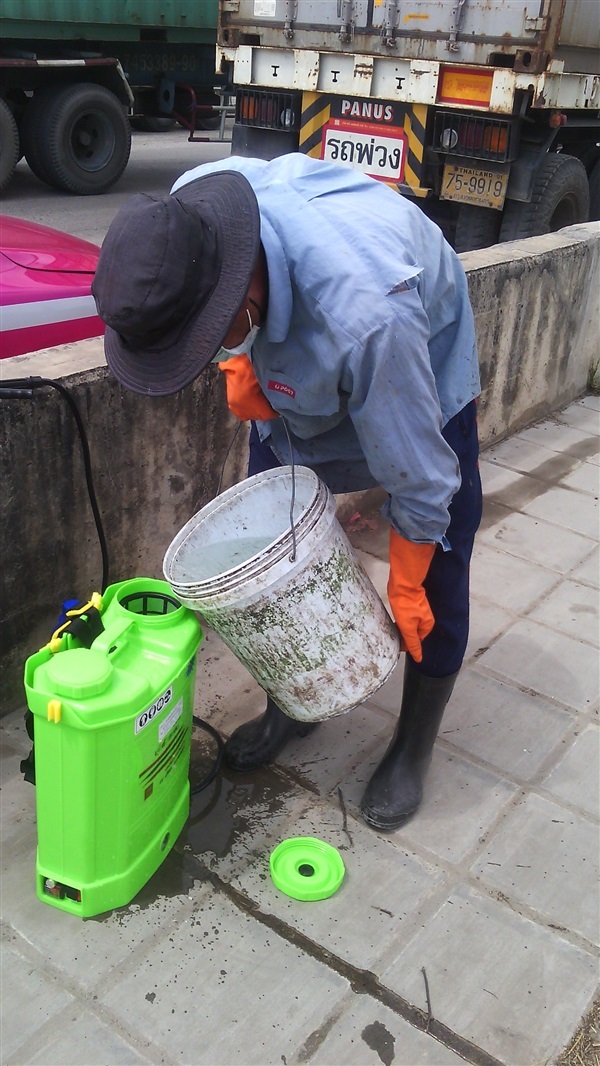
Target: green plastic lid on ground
[[306, 869]]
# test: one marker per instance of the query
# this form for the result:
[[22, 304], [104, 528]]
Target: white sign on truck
[[491, 111]]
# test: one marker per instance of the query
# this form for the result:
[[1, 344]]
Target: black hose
[[20, 388], [219, 759]]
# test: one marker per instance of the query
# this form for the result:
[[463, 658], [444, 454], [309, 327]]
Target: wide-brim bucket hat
[[172, 275]]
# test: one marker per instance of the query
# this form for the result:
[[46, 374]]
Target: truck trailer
[[74, 72], [486, 113]]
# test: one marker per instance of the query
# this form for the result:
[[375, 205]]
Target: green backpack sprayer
[[110, 701], [112, 728]]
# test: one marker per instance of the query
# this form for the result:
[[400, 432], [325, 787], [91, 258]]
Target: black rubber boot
[[396, 788], [258, 742]]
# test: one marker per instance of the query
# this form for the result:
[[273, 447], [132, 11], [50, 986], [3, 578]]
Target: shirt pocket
[[406, 278], [286, 394]]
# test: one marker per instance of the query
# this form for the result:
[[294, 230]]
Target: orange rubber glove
[[409, 564], [245, 397]]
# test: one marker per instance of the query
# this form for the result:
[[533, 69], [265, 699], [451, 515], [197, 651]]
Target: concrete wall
[[156, 462], [536, 305]]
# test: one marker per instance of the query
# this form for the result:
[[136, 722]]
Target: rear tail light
[[465, 85], [273, 111], [474, 136]]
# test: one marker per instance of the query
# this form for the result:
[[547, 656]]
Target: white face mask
[[240, 349]]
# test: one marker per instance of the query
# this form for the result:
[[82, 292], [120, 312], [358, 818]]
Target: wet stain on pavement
[[380, 1040], [234, 806], [535, 481]]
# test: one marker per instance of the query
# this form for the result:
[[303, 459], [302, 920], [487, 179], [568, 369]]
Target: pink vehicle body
[[45, 287]]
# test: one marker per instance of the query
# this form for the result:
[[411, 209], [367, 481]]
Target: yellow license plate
[[470, 185]]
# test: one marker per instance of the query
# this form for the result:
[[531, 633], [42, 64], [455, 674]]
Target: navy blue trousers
[[447, 582]]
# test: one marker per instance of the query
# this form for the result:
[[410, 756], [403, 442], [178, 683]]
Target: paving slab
[[86, 951], [576, 511], [368, 1034], [573, 609], [81, 1037], [512, 490], [558, 436], [29, 997], [327, 755], [225, 981], [536, 657], [17, 810], [586, 478], [14, 732], [576, 776], [243, 816], [491, 889], [589, 571], [511, 583], [550, 458], [496, 479], [514, 731], [535, 540], [580, 416], [546, 857], [461, 801], [384, 886], [487, 622], [497, 978]]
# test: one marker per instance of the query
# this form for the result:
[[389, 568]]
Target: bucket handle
[[292, 557], [293, 499]]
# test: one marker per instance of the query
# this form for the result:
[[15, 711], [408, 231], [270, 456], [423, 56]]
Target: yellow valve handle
[[94, 601], [54, 711], [54, 644]]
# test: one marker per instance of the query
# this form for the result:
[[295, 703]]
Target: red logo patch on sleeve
[[278, 386]]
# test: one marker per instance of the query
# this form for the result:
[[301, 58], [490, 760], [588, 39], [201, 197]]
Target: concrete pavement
[[469, 935]]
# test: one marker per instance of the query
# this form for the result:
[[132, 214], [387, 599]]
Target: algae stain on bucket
[[313, 632]]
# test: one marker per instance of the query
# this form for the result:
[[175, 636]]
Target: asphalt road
[[156, 160]]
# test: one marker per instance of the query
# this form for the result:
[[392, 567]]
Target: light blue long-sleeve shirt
[[368, 347]]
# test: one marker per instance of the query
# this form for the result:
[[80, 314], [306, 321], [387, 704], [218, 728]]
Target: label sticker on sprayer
[[167, 723], [151, 712]]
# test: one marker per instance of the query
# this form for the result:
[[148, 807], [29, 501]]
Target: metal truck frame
[[488, 115], [69, 87]]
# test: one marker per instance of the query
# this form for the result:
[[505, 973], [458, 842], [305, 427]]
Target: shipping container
[[486, 113], [74, 72]]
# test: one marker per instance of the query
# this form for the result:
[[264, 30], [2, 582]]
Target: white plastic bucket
[[313, 632]]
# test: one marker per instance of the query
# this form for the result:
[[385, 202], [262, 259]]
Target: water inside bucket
[[313, 632], [237, 526], [204, 561]]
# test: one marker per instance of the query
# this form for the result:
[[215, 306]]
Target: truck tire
[[32, 125], [78, 138], [560, 198], [9, 144], [476, 227], [594, 182]]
